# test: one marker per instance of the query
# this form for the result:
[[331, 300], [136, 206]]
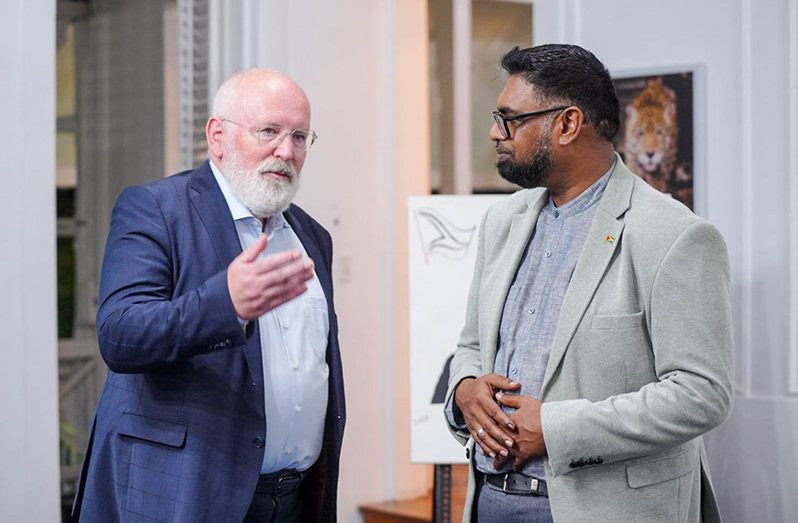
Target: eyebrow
[[272, 124], [506, 110]]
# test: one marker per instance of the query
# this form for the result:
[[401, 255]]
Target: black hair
[[573, 75]]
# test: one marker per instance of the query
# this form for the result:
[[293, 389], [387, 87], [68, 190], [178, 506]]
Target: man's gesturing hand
[[529, 441], [485, 419], [257, 285]]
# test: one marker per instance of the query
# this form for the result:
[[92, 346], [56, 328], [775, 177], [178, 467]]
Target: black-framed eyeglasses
[[274, 135], [501, 120]]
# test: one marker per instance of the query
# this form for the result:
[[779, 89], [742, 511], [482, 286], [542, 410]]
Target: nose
[[285, 148], [495, 133]]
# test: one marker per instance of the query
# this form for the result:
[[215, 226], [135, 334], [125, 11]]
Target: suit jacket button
[[259, 442], [573, 464], [599, 461], [468, 454]]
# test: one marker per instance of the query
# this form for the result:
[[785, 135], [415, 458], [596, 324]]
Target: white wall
[[749, 190], [29, 489], [364, 66]]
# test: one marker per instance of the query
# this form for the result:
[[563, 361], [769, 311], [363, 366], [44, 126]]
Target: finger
[[485, 421], [292, 260], [500, 461], [252, 252], [274, 285], [501, 417], [490, 447], [287, 296], [509, 400], [500, 382], [299, 269], [518, 464]]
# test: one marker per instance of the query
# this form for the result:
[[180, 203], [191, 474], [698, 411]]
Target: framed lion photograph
[[657, 136]]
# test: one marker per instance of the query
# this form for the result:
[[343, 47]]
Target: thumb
[[502, 383], [509, 400], [251, 253]]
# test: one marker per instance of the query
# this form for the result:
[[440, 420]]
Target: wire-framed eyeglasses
[[274, 135]]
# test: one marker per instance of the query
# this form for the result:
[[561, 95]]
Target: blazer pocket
[[151, 429], [664, 469], [617, 321]]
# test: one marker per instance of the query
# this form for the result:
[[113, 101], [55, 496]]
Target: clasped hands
[[518, 436], [258, 285]]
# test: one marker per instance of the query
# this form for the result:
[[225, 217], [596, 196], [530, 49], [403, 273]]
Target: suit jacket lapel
[[214, 213], [521, 228], [312, 248], [602, 241]]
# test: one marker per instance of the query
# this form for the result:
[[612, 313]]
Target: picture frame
[[661, 136]]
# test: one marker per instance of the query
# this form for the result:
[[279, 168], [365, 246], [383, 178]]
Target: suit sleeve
[[467, 360], [691, 339], [141, 325]]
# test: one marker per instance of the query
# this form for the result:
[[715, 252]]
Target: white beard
[[263, 194]]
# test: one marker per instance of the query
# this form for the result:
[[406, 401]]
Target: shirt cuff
[[454, 416]]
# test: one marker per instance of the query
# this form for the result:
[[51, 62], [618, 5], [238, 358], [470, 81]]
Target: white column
[[461, 65], [29, 476]]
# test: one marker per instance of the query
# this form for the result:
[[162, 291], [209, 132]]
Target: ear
[[569, 125], [214, 134]]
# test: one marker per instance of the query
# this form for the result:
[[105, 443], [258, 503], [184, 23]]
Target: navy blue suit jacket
[[179, 428]]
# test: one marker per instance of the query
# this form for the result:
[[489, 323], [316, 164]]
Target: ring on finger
[[481, 433]]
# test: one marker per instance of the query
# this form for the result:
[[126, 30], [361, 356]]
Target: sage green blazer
[[641, 363]]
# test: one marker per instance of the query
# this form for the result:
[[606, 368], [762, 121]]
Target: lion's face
[[650, 140], [650, 137]]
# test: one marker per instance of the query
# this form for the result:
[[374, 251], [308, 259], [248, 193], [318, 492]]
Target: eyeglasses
[[501, 120], [274, 135]]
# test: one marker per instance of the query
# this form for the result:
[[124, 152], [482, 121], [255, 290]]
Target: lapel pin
[[609, 239]]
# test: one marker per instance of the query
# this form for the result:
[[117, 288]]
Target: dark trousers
[[276, 498]]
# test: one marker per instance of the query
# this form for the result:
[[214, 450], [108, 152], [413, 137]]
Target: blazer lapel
[[312, 248], [214, 213], [521, 228], [602, 241]]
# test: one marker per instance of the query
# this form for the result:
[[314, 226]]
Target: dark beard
[[532, 174]]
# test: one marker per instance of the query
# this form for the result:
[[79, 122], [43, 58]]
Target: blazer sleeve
[[141, 325], [691, 339], [467, 360]]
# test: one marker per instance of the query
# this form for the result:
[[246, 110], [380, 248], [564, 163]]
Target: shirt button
[[298, 408], [548, 254], [295, 365], [289, 450], [258, 442], [531, 310], [556, 214], [514, 371]]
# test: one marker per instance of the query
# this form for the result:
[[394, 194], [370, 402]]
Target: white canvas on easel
[[442, 244]]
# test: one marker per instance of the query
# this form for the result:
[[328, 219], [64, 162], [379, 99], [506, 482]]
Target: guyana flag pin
[[609, 239]]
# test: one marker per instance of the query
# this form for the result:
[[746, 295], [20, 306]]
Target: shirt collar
[[237, 209], [587, 199]]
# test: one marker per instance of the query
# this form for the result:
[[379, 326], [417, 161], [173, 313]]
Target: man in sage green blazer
[[597, 345]]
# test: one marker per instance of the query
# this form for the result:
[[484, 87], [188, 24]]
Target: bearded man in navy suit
[[224, 399]]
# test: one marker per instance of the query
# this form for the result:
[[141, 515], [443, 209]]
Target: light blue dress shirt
[[293, 339]]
